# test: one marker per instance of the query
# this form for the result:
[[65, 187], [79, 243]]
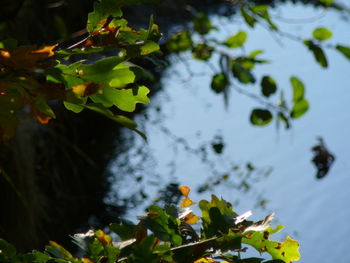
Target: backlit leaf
[[186, 201], [191, 219], [300, 108], [236, 40], [322, 33], [298, 89], [287, 250]]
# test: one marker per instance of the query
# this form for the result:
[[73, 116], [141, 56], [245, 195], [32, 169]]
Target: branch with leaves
[[168, 235], [33, 78]]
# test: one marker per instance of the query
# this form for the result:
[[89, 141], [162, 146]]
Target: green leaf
[[318, 53], [263, 12], [216, 209], [58, 251], [122, 120], [250, 20], [162, 225], [322, 34], [326, 2], [142, 49], [287, 250], [9, 44], [143, 252], [125, 229], [40, 257], [219, 82], [344, 50], [255, 53], [179, 42], [236, 40], [41, 105], [300, 108], [126, 99], [102, 10], [241, 71], [268, 86], [298, 89], [202, 24], [202, 51], [260, 117]]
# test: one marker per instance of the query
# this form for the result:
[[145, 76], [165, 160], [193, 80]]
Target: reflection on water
[[323, 159], [191, 116]]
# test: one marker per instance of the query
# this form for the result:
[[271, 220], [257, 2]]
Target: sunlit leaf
[[102, 10], [287, 250], [186, 201], [236, 40], [298, 89], [205, 260], [26, 57], [191, 219], [300, 108], [322, 33], [260, 117], [255, 53]]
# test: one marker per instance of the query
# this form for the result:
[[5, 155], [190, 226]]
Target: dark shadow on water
[[323, 159]]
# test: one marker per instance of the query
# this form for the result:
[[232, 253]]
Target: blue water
[[313, 211]]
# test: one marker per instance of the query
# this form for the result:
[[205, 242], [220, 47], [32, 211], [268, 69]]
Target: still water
[[315, 212]]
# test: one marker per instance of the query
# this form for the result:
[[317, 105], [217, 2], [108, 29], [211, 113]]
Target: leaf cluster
[[35, 78], [235, 69], [169, 235]]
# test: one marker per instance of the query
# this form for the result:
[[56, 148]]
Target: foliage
[[235, 69], [33, 78], [169, 235]]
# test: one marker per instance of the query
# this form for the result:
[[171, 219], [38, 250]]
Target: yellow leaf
[[185, 190], [46, 50], [191, 219], [85, 89], [205, 260], [186, 202]]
